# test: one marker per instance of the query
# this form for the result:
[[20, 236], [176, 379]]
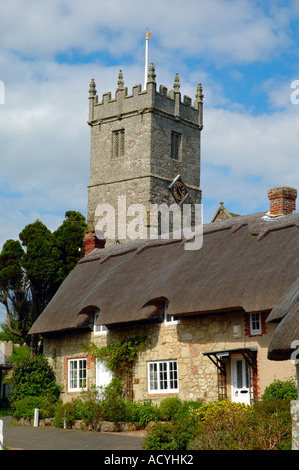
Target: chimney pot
[[282, 200], [91, 242]]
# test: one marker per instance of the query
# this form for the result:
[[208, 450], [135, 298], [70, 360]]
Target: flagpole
[[148, 34]]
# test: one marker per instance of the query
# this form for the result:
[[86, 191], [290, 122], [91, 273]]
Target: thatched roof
[[246, 263], [287, 332], [286, 337], [289, 300]]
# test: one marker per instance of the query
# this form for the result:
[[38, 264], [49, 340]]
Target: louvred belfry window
[[118, 143]]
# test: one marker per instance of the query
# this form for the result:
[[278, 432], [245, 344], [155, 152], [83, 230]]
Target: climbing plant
[[121, 355]]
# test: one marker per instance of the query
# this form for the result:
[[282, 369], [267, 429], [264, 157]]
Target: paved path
[[50, 438]]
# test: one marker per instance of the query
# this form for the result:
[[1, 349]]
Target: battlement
[[144, 101]]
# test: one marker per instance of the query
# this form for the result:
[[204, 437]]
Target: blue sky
[[244, 52]]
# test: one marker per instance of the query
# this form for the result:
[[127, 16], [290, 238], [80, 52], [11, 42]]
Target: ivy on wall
[[121, 355]]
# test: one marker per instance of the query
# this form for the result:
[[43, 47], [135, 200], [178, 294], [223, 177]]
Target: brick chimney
[[91, 242], [282, 200]]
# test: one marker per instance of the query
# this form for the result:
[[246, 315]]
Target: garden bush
[[281, 390], [172, 435], [141, 413], [33, 376], [218, 410], [224, 425], [113, 405], [229, 426], [25, 407], [169, 407]]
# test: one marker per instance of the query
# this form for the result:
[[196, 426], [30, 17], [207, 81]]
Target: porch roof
[[230, 351], [249, 354]]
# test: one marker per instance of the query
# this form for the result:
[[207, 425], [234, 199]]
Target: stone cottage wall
[[186, 342]]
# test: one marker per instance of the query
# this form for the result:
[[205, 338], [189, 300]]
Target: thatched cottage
[[204, 312]]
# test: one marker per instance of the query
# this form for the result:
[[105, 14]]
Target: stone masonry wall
[[186, 342]]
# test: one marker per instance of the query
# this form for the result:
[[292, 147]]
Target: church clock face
[[179, 190]]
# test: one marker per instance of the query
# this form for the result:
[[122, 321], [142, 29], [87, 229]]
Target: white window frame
[[77, 373], [255, 324], [163, 376], [99, 329], [169, 319]]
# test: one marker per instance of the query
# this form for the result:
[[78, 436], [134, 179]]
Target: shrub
[[173, 435], [141, 413], [89, 411], [260, 426], [59, 417], [280, 390], [33, 376], [65, 414], [114, 410], [25, 407], [113, 406], [169, 407], [218, 410]]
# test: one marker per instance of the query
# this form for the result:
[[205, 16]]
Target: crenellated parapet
[[141, 141], [140, 101]]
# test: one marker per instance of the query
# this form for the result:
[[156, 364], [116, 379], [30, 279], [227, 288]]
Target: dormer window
[[169, 319], [99, 329], [255, 324]]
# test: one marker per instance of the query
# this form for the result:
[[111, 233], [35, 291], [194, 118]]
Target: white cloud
[[243, 156], [236, 30]]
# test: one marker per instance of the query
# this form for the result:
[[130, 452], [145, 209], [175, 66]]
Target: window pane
[[173, 375], [246, 375], [153, 377], [73, 374], [82, 373], [255, 324], [163, 375], [239, 374], [99, 328]]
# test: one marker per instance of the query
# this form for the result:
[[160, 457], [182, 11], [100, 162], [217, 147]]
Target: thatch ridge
[[245, 263]]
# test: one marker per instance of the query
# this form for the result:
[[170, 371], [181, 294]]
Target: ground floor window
[[163, 376], [77, 374]]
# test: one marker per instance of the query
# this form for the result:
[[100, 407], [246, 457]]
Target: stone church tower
[[140, 143]]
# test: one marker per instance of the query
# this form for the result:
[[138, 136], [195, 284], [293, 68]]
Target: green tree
[[32, 269]]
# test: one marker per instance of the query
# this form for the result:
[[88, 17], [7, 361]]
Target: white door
[[240, 385], [103, 376]]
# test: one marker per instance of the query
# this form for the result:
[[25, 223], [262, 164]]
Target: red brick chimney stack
[[282, 201], [91, 242]]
